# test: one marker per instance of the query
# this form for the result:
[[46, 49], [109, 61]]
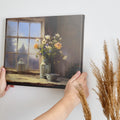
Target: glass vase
[[48, 68], [42, 68]]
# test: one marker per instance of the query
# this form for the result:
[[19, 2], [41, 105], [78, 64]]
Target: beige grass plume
[[86, 110], [108, 84]]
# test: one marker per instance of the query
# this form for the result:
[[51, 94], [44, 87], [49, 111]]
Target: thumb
[[3, 73]]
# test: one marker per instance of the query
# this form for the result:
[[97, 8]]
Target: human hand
[[3, 85], [71, 99], [71, 93]]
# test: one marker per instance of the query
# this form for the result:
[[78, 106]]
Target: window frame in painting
[[28, 20]]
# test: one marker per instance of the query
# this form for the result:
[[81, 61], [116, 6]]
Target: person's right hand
[[71, 99], [3, 85], [71, 93]]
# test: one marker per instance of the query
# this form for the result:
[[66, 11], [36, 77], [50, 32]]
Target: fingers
[[75, 76], [1, 67], [0, 71], [81, 81], [7, 88], [12, 86], [82, 77], [1, 95]]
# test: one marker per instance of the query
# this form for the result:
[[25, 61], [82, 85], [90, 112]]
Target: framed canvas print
[[43, 51]]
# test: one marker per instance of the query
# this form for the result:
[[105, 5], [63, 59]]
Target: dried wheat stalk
[[108, 88], [86, 110]]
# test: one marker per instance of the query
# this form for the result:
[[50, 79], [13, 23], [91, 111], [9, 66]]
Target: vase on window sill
[[48, 68], [42, 67], [20, 66]]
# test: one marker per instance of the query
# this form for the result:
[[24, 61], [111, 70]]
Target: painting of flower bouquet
[[43, 51], [50, 51]]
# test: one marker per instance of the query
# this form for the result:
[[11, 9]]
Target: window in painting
[[20, 39]]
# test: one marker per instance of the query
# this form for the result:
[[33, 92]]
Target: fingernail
[[78, 72]]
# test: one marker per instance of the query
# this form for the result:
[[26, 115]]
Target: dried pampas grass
[[108, 84], [86, 110]]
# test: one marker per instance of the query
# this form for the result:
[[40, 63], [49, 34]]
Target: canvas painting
[[43, 51]]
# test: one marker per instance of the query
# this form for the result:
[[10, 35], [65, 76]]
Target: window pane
[[35, 29], [11, 44], [23, 45], [24, 59], [33, 62], [11, 28], [31, 48], [23, 29], [10, 60]]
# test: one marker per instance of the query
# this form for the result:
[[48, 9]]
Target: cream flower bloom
[[65, 57], [54, 40], [44, 41], [49, 47], [57, 35], [47, 37], [60, 38], [37, 40]]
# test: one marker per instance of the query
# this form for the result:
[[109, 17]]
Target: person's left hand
[[3, 85]]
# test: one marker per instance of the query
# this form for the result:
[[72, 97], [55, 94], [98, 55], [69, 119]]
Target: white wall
[[102, 23]]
